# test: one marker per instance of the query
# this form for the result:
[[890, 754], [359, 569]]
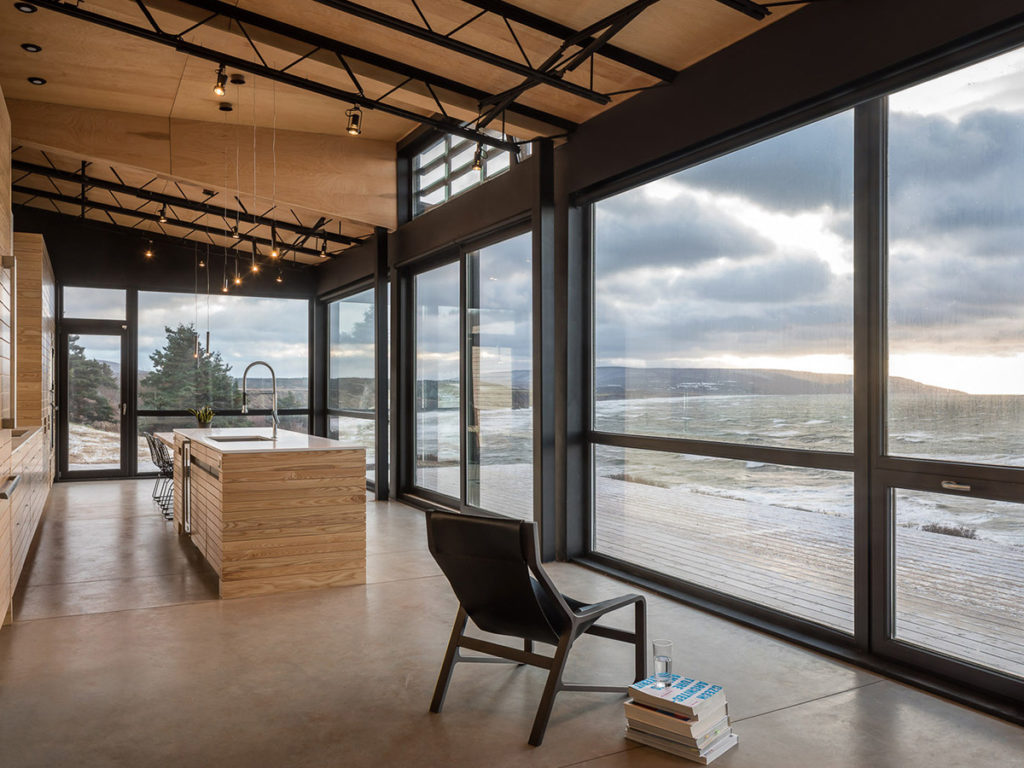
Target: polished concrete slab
[[343, 677]]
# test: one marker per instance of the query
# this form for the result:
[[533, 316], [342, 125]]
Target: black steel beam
[[280, 76], [369, 57], [179, 202], [71, 200], [400, 25], [562, 32], [751, 9]]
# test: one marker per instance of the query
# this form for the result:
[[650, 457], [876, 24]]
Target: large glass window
[[723, 312], [499, 387], [956, 266], [351, 388], [193, 352], [437, 380]]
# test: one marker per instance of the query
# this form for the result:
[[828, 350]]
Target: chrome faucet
[[273, 381]]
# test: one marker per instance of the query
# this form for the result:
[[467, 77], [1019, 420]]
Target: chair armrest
[[599, 609]]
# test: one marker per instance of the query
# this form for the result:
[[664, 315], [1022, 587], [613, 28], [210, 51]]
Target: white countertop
[[286, 441]]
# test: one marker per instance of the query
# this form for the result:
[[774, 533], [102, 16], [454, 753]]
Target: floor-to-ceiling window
[[193, 350], [722, 374], [351, 383], [954, 395], [473, 381], [727, 459]]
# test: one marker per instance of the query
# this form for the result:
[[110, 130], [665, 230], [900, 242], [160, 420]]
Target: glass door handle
[[952, 485], [124, 409]]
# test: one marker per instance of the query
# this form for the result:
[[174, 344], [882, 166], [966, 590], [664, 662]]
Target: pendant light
[[478, 158], [149, 250], [255, 266], [274, 253], [238, 277], [163, 213]]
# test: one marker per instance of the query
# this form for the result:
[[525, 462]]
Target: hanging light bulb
[[238, 278], [323, 248], [274, 253], [255, 266], [355, 121], [202, 263], [280, 278], [195, 349], [222, 80], [149, 250], [478, 158], [224, 287], [163, 214]]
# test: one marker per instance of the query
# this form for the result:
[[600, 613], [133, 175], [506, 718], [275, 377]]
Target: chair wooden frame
[[579, 620]]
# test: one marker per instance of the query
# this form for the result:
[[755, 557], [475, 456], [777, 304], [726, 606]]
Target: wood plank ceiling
[[139, 111]]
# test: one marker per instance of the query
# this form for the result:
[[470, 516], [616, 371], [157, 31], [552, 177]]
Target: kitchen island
[[272, 515]]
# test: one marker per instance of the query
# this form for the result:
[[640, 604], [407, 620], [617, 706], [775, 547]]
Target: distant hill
[[619, 382]]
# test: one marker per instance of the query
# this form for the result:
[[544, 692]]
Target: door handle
[[124, 409], [953, 485]]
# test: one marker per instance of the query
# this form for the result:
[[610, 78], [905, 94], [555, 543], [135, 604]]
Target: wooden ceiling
[[141, 110]]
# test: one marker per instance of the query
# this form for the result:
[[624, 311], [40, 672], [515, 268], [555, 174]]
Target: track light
[[355, 121], [163, 214], [478, 158], [149, 250], [323, 248], [222, 80], [234, 232], [274, 253]]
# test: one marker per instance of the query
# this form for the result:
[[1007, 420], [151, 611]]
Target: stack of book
[[688, 718]]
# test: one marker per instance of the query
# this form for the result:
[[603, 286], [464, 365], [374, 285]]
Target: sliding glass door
[[472, 401]]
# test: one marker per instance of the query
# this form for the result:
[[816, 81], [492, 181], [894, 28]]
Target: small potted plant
[[204, 416]]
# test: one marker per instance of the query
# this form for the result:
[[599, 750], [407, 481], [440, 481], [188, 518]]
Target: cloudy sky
[[242, 328], [746, 261]]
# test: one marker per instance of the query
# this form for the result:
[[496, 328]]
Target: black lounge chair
[[493, 565]]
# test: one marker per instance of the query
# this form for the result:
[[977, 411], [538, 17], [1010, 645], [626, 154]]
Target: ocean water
[[963, 429]]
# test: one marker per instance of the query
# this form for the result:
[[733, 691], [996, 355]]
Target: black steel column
[[545, 360], [575, 388], [319, 341], [380, 359], [871, 568]]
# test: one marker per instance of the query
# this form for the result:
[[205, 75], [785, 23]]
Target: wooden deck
[[960, 597]]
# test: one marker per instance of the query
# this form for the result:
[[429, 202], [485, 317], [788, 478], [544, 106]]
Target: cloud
[[639, 228], [772, 281], [802, 169]]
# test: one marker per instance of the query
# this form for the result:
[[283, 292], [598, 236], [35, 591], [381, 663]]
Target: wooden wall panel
[[34, 329], [6, 219]]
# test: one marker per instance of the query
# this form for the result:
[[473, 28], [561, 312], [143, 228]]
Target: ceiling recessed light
[[37, 80], [31, 47], [25, 7], [225, 106], [237, 78]]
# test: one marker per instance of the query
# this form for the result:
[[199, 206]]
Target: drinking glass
[[663, 663]]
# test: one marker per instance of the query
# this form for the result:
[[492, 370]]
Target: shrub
[[951, 529]]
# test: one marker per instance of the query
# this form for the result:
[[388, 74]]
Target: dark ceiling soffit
[[169, 240], [751, 9], [359, 54], [180, 202], [57, 197], [260, 70], [400, 25], [542, 24]]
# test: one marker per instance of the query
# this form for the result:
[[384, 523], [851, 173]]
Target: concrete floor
[[119, 657]]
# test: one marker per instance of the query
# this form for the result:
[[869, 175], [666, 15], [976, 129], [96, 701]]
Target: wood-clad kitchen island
[[272, 515]]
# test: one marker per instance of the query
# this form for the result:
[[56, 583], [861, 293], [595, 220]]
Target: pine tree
[[86, 403], [179, 380]]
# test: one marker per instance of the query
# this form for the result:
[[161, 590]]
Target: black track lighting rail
[[279, 75], [177, 202], [450, 43], [543, 24], [345, 51], [85, 204]]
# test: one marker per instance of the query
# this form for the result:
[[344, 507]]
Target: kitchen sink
[[240, 439]]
